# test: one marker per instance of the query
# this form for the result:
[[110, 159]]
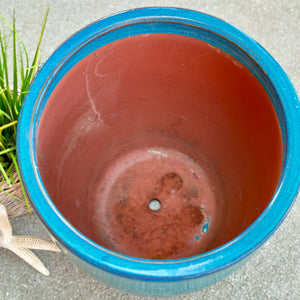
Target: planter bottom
[[157, 203]]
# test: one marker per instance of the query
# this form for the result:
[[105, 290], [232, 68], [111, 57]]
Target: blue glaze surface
[[172, 276], [205, 228]]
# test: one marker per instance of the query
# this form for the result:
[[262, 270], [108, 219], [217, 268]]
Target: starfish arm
[[5, 227], [30, 258], [32, 242]]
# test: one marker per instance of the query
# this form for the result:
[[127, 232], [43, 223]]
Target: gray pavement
[[274, 273]]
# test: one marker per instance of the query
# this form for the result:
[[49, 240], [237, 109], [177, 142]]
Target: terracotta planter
[[158, 148]]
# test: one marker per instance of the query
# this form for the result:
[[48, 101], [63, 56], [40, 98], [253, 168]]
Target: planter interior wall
[[167, 117]]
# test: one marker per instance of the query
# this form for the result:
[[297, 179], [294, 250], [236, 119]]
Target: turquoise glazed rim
[[182, 22]]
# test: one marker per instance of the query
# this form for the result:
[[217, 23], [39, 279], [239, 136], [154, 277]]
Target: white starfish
[[20, 244]]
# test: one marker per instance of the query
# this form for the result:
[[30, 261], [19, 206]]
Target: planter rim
[[165, 270]]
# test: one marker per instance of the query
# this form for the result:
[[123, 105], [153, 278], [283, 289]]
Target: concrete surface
[[274, 273]]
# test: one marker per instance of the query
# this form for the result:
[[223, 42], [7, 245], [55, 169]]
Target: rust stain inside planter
[[155, 212], [160, 146]]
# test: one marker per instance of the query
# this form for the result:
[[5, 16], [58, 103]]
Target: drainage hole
[[154, 204]]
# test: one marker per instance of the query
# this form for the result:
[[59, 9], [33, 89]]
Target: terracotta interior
[[160, 146]]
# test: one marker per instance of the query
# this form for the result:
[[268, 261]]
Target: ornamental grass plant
[[16, 75]]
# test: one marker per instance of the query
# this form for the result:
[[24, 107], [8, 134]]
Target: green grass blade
[[21, 183], [2, 84], [2, 170], [10, 174], [3, 45], [4, 89], [6, 103], [2, 147], [36, 55], [4, 113], [8, 150], [13, 123], [15, 66], [4, 108], [18, 37], [23, 70], [10, 195]]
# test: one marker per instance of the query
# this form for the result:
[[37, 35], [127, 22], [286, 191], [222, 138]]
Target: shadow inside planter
[[160, 146]]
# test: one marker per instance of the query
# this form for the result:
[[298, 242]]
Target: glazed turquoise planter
[[159, 146]]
